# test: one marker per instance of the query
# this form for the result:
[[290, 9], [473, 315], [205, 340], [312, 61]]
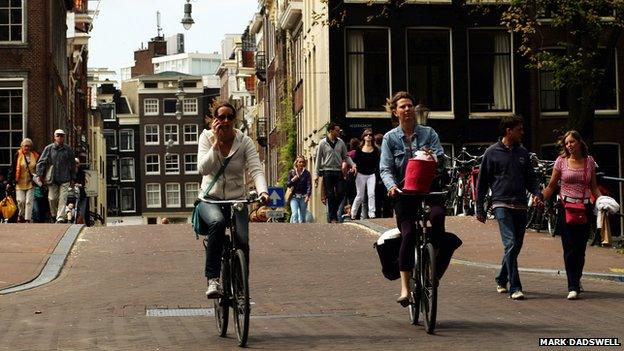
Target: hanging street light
[[180, 94], [187, 20], [422, 114]]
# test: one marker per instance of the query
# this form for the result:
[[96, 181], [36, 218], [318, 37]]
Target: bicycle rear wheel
[[240, 289], [429, 298], [222, 304]]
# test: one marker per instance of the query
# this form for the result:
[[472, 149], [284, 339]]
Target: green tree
[[583, 28], [288, 130]]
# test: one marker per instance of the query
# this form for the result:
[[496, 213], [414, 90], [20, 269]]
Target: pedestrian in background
[[367, 158], [61, 157], [383, 204], [506, 169], [575, 171], [300, 179], [23, 172], [330, 155]]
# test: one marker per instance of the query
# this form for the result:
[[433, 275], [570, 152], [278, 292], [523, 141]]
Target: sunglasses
[[230, 117], [370, 135]]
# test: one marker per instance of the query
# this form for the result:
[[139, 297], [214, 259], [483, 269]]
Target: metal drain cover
[[179, 312]]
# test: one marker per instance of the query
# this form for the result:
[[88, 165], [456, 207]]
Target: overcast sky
[[122, 25]]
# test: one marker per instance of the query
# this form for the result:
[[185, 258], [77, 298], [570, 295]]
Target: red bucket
[[419, 175]]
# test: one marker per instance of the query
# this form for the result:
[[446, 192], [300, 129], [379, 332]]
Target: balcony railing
[[261, 65]]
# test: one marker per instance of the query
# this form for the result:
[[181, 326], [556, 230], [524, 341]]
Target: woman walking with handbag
[[300, 181], [23, 169], [577, 171]]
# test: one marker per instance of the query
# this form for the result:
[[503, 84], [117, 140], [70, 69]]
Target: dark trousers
[[334, 186], [217, 217], [574, 241], [405, 208]]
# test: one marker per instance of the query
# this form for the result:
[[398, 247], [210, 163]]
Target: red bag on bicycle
[[575, 213]]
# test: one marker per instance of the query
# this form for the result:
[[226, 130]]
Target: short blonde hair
[[27, 141]]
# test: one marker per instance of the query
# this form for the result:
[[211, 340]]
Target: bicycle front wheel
[[240, 289], [222, 304], [429, 297], [414, 307]]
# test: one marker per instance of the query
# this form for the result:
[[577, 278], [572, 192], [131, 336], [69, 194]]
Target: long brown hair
[[364, 133], [577, 136], [391, 103]]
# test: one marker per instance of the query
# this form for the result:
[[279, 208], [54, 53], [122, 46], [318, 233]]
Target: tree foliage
[[288, 130]]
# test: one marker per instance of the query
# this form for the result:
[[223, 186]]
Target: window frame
[[491, 114], [190, 198], [196, 171], [154, 107], [179, 197], [121, 166], [177, 134], [121, 190], [170, 156], [185, 134], [165, 113], [148, 164], [131, 134], [449, 114], [23, 26], [19, 84], [157, 133], [147, 193], [190, 102], [365, 113]]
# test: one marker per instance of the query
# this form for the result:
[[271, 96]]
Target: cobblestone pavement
[[315, 286]]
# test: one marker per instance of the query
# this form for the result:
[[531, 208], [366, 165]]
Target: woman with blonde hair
[[576, 170], [23, 173], [301, 180]]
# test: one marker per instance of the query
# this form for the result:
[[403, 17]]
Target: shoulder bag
[[199, 226]]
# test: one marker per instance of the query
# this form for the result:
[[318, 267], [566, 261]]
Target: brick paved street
[[314, 287]]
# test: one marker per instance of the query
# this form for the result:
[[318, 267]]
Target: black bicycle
[[234, 277], [424, 278]]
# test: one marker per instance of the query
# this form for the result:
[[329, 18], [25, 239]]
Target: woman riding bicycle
[[224, 154], [399, 145]]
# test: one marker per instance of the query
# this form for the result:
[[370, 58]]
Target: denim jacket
[[395, 151]]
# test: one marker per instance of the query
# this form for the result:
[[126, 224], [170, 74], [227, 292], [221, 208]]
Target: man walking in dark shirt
[[506, 169]]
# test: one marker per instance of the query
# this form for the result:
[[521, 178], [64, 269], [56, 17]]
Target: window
[[111, 168], [190, 133], [171, 133], [152, 164], [127, 169], [126, 140], [111, 201], [150, 85], [172, 195], [152, 134], [429, 67], [490, 71], [189, 106], [169, 106], [150, 107], [11, 21], [11, 120], [368, 69], [152, 195], [191, 191], [111, 139], [128, 203], [190, 164], [556, 100], [108, 112], [172, 164]]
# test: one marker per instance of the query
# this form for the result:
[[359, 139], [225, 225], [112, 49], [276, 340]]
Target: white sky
[[122, 25]]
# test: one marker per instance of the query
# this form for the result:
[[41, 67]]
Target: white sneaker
[[573, 295], [501, 289], [214, 289], [518, 295]]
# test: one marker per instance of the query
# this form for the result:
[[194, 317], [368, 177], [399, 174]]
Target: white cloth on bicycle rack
[[388, 234], [605, 204]]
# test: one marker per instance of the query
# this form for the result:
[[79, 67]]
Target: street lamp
[[187, 20], [422, 114], [180, 94]]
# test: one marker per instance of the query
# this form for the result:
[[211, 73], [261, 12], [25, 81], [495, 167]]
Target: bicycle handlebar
[[433, 193], [231, 202]]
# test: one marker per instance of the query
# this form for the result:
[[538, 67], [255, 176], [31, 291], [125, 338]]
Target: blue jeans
[[217, 218], [512, 224], [299, 208]]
